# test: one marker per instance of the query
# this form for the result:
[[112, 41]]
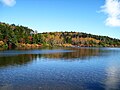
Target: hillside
[[79, 39], [16, 35]]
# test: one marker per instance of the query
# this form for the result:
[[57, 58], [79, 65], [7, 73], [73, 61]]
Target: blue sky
[[90, 16]]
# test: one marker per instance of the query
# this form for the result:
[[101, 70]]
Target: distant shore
[[17, 36]]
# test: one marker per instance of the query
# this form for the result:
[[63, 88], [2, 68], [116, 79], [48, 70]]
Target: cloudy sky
[[101, 17]]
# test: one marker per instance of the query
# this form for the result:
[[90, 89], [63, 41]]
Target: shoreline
[[20, 46]]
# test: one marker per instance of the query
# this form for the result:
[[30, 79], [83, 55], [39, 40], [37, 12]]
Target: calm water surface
[[60, 69]]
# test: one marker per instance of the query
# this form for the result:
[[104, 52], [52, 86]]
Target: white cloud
[[112, 9], [8, 2]]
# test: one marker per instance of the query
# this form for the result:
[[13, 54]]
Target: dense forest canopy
[[18, 34]]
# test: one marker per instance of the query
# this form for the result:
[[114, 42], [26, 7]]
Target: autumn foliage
[[12, 36]]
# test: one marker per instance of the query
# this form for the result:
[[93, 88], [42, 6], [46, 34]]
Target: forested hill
[[15, 35]]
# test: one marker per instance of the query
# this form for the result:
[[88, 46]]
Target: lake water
[[60, 69]]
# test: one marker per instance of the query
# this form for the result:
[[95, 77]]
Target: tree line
[[12, 35]]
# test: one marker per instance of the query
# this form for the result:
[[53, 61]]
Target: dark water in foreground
[[60, 69]]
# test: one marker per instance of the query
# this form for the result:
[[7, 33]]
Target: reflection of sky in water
[[15, 52], [112, 81]]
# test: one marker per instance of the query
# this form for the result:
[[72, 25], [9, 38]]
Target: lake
[[60, 69]]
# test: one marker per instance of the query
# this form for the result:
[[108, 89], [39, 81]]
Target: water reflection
[[17, 60], [23, 57], [60, 69], [113, 72], [78, 53]]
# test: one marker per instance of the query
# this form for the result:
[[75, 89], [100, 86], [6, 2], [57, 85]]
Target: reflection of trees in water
[[82, 53], [77, 53], [16, 60]]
